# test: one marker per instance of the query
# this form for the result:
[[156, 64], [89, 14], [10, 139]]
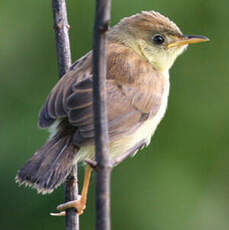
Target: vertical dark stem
[[61, 27], [71, 193], [103, 174]]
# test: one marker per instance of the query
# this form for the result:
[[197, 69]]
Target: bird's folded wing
[[128, 105]]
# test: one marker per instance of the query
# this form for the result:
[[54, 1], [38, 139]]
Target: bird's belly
[[124, 143]]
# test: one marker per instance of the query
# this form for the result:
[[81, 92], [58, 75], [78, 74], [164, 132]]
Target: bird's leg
[[79, 204]]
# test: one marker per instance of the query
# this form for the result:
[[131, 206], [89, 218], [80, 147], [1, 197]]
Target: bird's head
[[154, 37]]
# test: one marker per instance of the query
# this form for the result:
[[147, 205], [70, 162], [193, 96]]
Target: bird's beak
[[188, 39]]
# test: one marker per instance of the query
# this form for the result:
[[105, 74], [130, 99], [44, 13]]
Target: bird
[[141, 49]]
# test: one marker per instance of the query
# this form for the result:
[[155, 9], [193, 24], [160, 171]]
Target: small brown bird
[[141, 50]]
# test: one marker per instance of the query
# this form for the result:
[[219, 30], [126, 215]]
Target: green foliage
[[181, 180]]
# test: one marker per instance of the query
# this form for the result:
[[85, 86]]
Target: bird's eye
[[158, 39]]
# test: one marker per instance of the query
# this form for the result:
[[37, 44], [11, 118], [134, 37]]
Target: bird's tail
[[51, 164]]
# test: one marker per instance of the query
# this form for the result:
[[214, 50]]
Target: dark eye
[[158, 39]]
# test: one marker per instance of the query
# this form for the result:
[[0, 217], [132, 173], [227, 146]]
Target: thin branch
[[61, 27], [103, 174], [71, 193]]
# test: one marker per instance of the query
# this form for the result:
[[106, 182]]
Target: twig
[[61, 27], [103, 174], [64, 62]]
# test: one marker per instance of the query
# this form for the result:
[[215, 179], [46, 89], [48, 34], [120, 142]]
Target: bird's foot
[[79, 205]]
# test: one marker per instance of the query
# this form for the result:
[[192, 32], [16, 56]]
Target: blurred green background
[[181, 181]]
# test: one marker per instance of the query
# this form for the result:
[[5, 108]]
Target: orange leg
[[79, 204]]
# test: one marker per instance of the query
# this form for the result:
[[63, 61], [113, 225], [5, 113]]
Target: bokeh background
[[181, 181]]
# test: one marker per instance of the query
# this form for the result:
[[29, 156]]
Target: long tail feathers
[[50, 165]]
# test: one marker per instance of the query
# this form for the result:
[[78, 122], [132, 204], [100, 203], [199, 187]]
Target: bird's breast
[[144, 132], [147, 129]]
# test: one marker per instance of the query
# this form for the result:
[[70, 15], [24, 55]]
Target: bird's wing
[[128, 104], [56, 105]]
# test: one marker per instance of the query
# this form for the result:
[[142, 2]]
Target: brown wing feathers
[[130, 97]]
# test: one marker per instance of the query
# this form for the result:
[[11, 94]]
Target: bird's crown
[[151, 21]]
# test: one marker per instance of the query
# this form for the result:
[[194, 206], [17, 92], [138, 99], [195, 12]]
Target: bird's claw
[[58, 213], [79, 205]]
